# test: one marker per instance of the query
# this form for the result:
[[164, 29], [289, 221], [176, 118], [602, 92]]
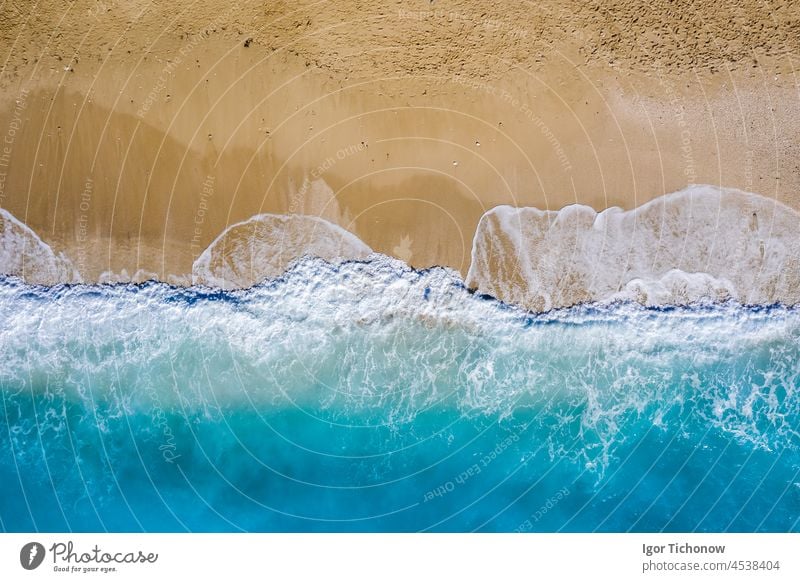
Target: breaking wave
[[368, 396]]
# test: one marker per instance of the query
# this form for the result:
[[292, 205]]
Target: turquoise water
[[371, 397]]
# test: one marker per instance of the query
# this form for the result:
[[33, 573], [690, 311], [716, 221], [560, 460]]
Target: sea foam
[[355, 396], [263, 246], [381, 336], [24, 254], [700, 244]]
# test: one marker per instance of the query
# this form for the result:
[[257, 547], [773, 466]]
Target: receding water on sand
[[701, 243]]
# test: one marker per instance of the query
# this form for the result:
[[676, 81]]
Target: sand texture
[[133, 134]]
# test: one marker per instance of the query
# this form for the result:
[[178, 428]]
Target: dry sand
[[133, 133]]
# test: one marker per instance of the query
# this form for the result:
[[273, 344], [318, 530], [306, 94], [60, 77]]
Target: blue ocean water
[[372, 397]]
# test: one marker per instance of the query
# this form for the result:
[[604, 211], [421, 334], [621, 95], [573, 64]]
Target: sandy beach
[[400, 266], [135, 133]]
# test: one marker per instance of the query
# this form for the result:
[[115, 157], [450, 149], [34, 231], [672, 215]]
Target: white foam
[[380, 337], [139, 276], [700, 243], [677, 288], [25, 255], [266, 244]]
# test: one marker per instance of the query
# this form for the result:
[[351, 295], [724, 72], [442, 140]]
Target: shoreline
[[200, 290], [134, 151], [700, 244]]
